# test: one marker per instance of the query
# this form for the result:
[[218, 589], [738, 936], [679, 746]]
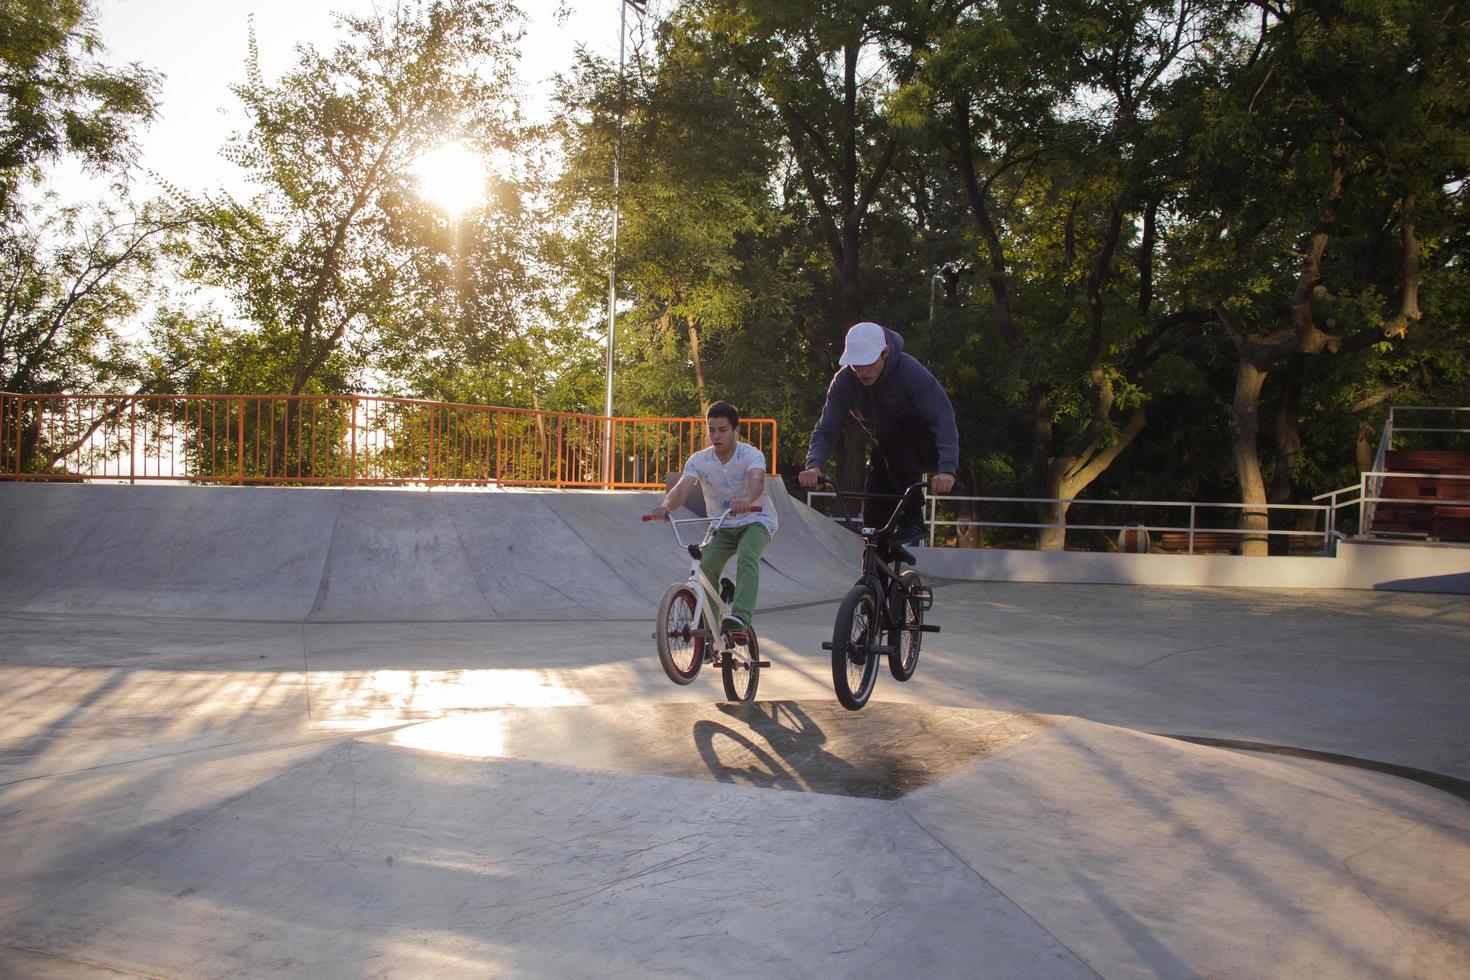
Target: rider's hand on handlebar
[[942, 482], [810, 479], [738, 507], [658, 513]]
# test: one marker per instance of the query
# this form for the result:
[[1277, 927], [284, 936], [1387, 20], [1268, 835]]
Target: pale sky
[[200, 46]]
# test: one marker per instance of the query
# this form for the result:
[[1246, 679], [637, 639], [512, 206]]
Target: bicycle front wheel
[[907, 629], [675, 632], [854, 665], [740, 669]]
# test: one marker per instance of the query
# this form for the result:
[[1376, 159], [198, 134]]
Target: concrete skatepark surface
[[368, 733]]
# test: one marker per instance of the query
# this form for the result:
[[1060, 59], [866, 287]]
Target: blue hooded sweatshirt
[[904, 395]]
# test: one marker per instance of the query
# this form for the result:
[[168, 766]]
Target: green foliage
[[57, 99], [338, 263], [73, 282]]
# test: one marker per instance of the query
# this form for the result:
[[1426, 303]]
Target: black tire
[[740, 669], [854, 666], [904, 633], [680, 649]]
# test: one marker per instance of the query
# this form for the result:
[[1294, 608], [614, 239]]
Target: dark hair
[[723, 410]]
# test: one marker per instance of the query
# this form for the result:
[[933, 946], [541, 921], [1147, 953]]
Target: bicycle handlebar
[[756, 509], [713, 524], [824, 482], [902, 498]]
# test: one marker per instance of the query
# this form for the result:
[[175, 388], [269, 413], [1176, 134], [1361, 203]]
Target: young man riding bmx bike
[[907, 414], [732, 475]]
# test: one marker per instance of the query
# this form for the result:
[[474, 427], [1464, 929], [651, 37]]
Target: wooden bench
[[1427, 461], [1416, 509], [1212, 542]]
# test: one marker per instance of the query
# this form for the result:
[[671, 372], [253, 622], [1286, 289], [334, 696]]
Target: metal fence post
[[16, 403], [132, 441], [1191, 528], [352, 425], [240, 444], [1362, 495], [432, 423]]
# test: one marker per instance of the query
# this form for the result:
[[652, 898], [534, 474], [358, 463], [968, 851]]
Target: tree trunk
[[1366, 447], [1288, 451], [1052, 537], [698, 367], [968, 536], [541, 434], [1244, 428]]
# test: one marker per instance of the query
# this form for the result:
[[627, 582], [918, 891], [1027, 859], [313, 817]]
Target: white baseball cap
[[865, 343]]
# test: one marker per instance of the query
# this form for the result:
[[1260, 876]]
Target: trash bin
[[1133, 539]]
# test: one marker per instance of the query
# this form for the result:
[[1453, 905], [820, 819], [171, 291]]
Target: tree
[[323, 261], [695, 196], [1328, 161], [67, 287], [56, 99], [1055, 115], [69, 284]]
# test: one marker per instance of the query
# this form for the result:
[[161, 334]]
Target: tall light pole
[[612, 271]]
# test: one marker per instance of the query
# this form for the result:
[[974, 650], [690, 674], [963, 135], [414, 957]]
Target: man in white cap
[[907, 414]]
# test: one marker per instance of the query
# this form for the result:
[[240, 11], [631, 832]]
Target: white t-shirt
[[723, 482]]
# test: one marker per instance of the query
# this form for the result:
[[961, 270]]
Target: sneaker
[[732, 627], [727, 590], [909, 531]]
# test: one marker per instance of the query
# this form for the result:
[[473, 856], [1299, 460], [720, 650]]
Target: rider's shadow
[[795, 754]]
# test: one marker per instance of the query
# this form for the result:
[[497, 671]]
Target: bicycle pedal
[[760, 663], [826, 644], [929, 628]]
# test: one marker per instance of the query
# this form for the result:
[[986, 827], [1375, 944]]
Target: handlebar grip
[[756, 509], [647, 517]]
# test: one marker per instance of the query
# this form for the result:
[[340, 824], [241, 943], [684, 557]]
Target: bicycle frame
[[877, 572], [709, 607]]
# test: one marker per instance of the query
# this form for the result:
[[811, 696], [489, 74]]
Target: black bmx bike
[[882, 616]]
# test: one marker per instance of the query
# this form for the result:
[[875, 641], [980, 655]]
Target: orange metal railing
[[340, 440]]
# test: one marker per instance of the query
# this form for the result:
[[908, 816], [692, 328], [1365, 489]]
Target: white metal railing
[[1335, 504], [1191, 529]]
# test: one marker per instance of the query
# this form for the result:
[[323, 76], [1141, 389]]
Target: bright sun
[[452, 177]]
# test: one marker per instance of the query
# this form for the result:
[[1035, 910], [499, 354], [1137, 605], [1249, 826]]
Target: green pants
[[746, 544]]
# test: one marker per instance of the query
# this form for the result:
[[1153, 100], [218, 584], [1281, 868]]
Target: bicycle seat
[[899, 553]]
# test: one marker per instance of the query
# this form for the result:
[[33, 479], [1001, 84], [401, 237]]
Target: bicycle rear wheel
[[905, 633], [680, 648], [854, 665], [740, 669]]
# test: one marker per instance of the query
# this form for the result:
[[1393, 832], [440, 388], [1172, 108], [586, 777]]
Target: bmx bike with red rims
[[687, 631], [882, 616]]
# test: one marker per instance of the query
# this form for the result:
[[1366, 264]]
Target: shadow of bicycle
[[780, 745]]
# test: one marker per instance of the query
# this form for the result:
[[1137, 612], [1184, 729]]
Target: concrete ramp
[[218, 552], [359, 555], [699, 840], [471, 556]]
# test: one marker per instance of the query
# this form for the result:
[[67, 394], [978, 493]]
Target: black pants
[[905, 451]]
